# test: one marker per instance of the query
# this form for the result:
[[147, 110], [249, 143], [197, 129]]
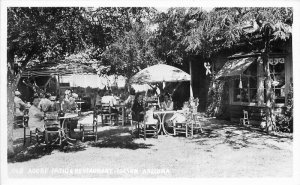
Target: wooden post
[[191, 82], [58, 84], [260, 82]]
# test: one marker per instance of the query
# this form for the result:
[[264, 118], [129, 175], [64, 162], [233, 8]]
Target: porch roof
[[235, 67]]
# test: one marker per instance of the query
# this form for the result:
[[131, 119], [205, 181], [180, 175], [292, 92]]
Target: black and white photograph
[[145, 91]]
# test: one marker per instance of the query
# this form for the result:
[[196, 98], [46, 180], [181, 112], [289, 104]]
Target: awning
[[235, 67]]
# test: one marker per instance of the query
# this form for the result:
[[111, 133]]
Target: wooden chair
[[90, 130], [128, 116], [192, 123], [106, 112], [53, 127], [148, 126], [147, 129], [182, 127], [245, 119]]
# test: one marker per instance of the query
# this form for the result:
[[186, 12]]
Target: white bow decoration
[[207, 66]]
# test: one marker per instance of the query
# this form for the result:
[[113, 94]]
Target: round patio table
[[65, 129], [161, 114]]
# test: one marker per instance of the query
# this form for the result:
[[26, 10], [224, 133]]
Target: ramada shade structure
[[54, 68]]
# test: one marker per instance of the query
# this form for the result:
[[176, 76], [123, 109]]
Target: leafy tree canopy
[[224, 27]]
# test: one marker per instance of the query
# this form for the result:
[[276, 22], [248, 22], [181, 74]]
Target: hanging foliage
[[217, 99]]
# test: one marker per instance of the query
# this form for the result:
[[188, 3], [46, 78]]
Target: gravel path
[[223, 150]]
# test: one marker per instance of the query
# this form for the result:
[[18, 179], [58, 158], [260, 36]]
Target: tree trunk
[[268, 82], [12, 81], [10, 115], [269, 92]]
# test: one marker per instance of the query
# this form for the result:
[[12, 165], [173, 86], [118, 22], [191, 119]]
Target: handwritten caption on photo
[[78, 171]]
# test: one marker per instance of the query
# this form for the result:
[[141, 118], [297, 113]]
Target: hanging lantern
[[241, 84], [213, 85]]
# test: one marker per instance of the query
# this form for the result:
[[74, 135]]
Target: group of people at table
[[140, 105], [42, 104]]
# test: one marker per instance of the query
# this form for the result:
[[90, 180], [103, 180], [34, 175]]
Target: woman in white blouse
[[36, 116], [167, 104]]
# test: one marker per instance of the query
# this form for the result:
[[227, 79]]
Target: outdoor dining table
[[65, 129], [161, 117]]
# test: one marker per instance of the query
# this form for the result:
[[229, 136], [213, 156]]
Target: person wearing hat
[[19, 104], [19, 107]]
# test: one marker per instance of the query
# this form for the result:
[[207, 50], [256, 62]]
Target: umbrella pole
[[191, 82]]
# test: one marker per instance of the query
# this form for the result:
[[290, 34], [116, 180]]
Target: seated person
[[72, 102], [19, 106], [98, 99], [36, 116], [65, 103], [55, 104], [180, 117], [151, 98], [130, 99], [69, 103], [167, 104], [110, 100], [149, 119], [138, 108], [45, 103]]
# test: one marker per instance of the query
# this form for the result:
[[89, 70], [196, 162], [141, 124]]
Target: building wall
[[256, 112]]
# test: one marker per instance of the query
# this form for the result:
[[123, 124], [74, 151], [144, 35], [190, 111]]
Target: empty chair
[[245, 119], [52, 127], [108, 115], [90, 129]]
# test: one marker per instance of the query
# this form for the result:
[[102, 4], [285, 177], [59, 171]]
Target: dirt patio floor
[[222, 150]]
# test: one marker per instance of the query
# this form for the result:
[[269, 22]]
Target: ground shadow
[[38, 151], [237, 136], [118, 138]]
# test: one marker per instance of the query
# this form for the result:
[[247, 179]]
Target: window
[[245, 89], [277, 73], [245, 86]]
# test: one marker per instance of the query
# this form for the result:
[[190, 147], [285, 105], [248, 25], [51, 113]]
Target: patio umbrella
[[159, 73]]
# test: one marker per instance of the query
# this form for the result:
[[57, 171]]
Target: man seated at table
[[110, 100], [138, 108], [45, 103]]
